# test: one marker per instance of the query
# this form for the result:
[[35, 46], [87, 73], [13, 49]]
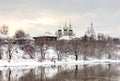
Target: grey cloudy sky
[[38, 16]]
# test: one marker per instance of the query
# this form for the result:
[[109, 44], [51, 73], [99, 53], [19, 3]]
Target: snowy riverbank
[[21, 58], [35, 63]]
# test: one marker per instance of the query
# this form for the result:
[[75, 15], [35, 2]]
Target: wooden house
[[46, 38]]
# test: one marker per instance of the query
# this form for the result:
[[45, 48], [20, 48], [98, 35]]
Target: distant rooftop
[[4, 36], [66, 38], [46, 34]]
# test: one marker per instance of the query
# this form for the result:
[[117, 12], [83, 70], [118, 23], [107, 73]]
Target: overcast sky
[[39, 16]]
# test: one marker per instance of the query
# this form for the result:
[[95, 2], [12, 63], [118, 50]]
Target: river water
[[86, 72]]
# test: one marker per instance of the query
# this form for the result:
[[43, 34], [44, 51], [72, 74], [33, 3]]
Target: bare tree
[[10, 49], [20, 34], [60, 47], [22, 38], [30, 50], [84, 48], [100, 48], [110, 48], [1, 50], [87, 48], [74, 48], [41, 48], [4, 29], [24, 41]]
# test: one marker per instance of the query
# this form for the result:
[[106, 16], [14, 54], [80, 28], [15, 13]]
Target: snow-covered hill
[[20, 58]]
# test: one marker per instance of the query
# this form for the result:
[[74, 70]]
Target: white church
[[90, 32], [66, 33]]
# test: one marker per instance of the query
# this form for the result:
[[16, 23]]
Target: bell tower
[[93, 35], [70, 31], [65, 29]]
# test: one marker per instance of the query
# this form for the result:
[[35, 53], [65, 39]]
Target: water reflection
[[99, 72]]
